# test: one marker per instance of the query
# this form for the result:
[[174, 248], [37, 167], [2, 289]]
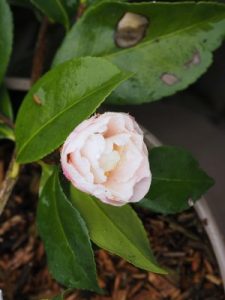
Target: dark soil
[[179, 243]]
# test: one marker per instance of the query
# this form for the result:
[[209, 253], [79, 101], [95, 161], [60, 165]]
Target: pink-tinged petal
[[94, 147], [82, 165], [113, 202], [116, 124], [143, 170], [143, 181], [72, 174], [137, 139], [129, 163], [120, 139], [93, 150], [121, 191], [77, 138], [140, 189]]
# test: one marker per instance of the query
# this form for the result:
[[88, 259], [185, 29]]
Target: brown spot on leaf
[[169, 78], [131, 29], [37, 100], [195, 60]]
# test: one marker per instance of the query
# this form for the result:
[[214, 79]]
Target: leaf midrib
[[177, 180], [124, 234], [64, 111]]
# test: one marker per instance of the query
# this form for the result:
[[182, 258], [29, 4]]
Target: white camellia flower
[[105, 156]]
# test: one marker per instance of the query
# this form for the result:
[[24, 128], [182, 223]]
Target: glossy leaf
[[6, 111], [66, 239], [54, 10], [172, 53], [116, 229], [176, 180], [6, 36], [59, 101], [5, 103]]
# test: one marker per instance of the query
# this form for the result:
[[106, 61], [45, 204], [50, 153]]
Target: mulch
[[179, 243]]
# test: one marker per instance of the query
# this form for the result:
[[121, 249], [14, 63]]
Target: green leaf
[[176, 179], [66, 96], [60, 11], [116, 229], [174, 52], [54, 9], [6, 36], [47, 171], [66, 239], [6, 132], [70, 7], [5, 103]]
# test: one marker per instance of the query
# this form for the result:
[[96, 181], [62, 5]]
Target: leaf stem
[[6, 121], [81, 9], [9, 182]]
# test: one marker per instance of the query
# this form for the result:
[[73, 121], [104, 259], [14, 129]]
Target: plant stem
[[6, 121], [81, 10], [9, 182], [14, 168], [39, 54]]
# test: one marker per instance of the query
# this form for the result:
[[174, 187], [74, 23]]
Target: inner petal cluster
[[103, 155]]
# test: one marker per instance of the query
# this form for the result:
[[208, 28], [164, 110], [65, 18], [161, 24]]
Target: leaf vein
[[61, 113]]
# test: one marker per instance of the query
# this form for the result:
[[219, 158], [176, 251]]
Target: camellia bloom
[[105, 156]]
